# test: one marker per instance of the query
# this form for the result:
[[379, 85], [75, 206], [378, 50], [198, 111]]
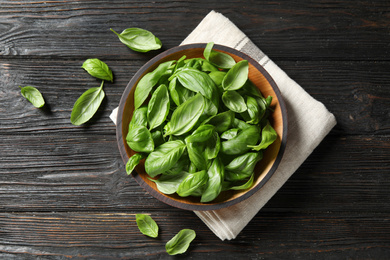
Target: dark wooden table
[[64, 192]]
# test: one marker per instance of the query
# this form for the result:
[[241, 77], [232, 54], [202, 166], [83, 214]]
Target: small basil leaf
[[197, 155], [33, 95], [98, 69], [193, 182], [243, 186], [229, 134], [234, 101], [236, 77], [146, 225], [87, 105], [133, 161], [164, 157], [158, 107], [250, 89], [242, 166], [239, 144], [213, 188], [217, 77], [139, 39], [140, 139], [268, 136], [213, 146], [158, 138], [180, 242], [197, 81], [181, 165], [180, 62], [219, 59], [208, 67], [178, 93], [147, 82], [254, 111], [186, 115], [222, 121], [139, 117], [201, 134], [237, 123], [168, 183]]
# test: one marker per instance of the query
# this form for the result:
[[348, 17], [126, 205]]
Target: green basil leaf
[[239, 144], [158, 138], [213, 146], [139, 117], [181, 165], [208, 67], [201, 134], [186, 115], [222, 121], [139, 39], [213, 188], [180, 62], [168, 183], [197, 155], [146, 225], [193, 182], [217, 77], [254, 111], [194, 63], [219, 59], [164, 157], [33, 95], [147, 82], [178, 93], [197, 81], [242, 166], [98, 69], [87, 105], [180, 242], [237, 76], [158, 107], [237, 123], [268, 136], [229, 134], [234, 101], [243, 186], [250, 89], [140, 139], [133, 161]]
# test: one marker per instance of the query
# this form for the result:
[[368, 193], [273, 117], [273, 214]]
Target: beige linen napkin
[[308, 123]]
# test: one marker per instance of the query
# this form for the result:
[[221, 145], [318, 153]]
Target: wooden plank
[[116, 236], [337, 30], [356, 92], [56, 172]]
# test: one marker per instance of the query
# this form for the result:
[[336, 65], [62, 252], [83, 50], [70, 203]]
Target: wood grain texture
[[64, 193]]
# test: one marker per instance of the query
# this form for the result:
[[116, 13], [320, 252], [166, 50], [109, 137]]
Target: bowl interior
[[264, 169]]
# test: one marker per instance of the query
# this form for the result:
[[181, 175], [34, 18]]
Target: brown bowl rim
[[166, 199]]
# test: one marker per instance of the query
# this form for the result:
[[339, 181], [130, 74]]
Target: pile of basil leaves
[[204, 127]]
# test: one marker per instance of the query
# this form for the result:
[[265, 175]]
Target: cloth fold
[[308, 123]]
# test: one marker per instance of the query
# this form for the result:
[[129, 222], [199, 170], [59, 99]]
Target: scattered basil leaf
[[158, 107], [146, 225], [33, 95], [229, 134], [98, 69], [180, 242], [268, 136], [139, 40], [133, 161], [236, 77], [164, 157], [147, 82], [234, 101], [87, 105]]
